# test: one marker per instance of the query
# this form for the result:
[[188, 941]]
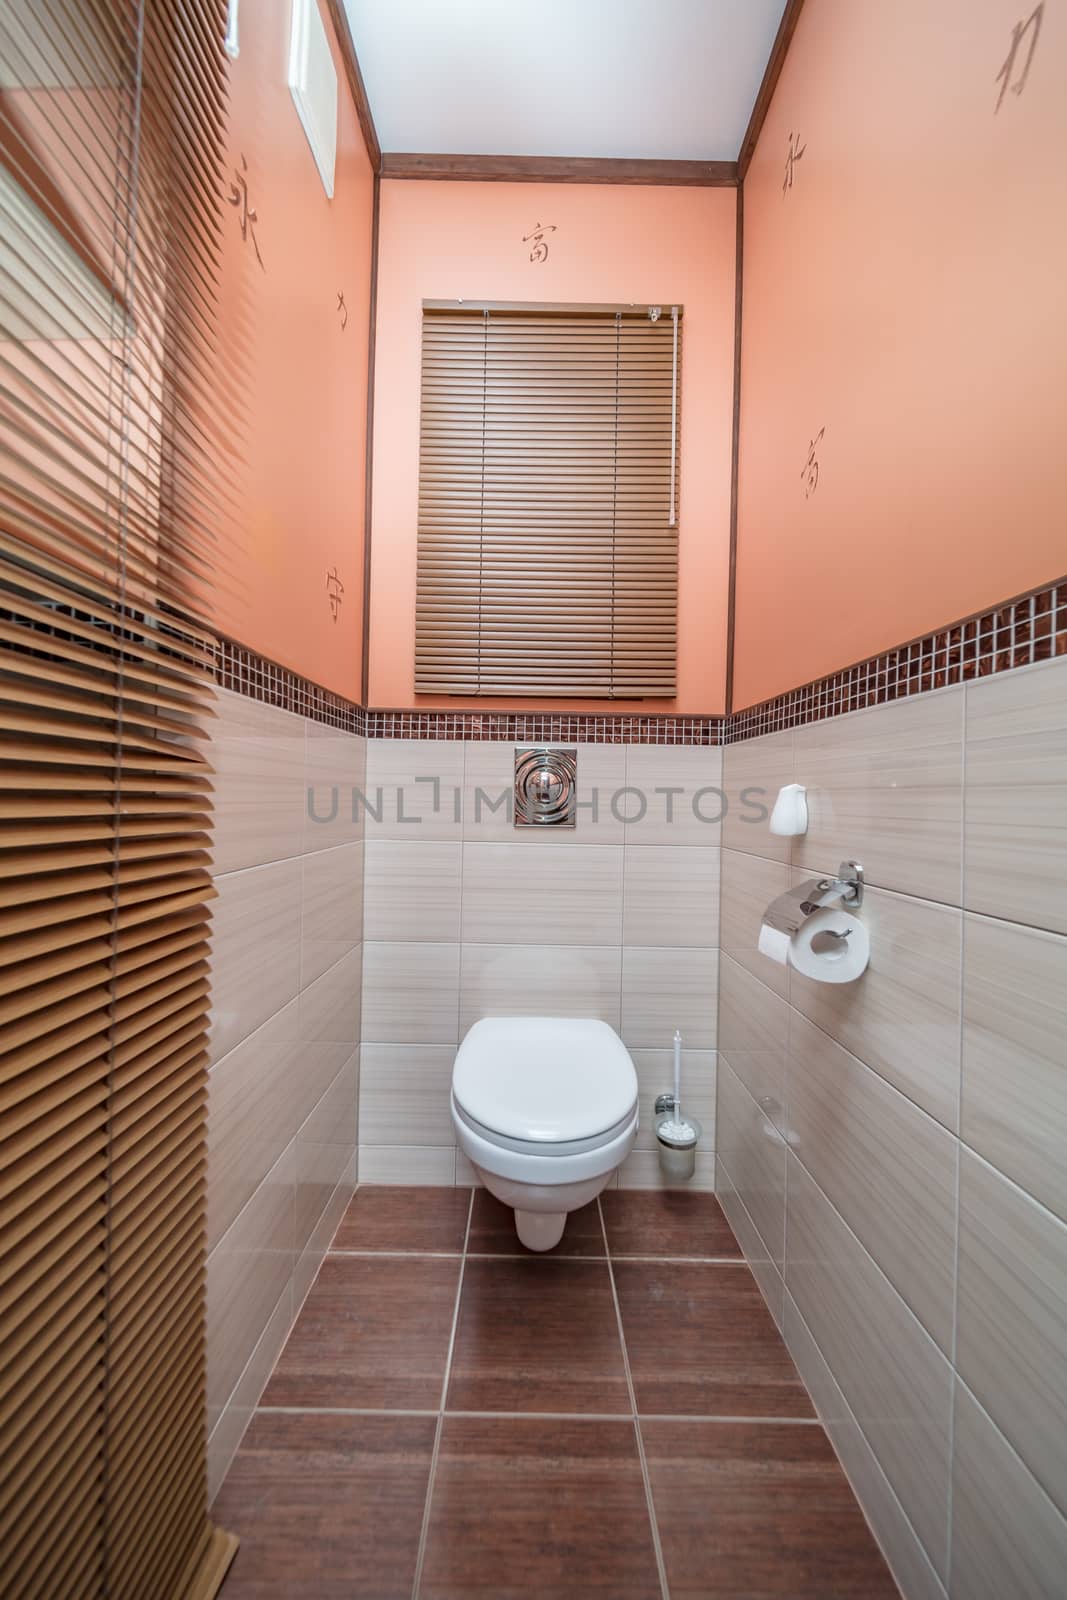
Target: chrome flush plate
[[545, 786]]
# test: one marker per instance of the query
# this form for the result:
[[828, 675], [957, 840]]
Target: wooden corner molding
[[775, 62], [357, 88], [559, 169]]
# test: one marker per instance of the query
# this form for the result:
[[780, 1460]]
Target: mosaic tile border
[[1017, 633], [546, 727]]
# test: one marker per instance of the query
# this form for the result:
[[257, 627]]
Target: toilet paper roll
[[774, 943], [831, 947]]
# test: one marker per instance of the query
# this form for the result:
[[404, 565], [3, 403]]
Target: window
[[548, 491]]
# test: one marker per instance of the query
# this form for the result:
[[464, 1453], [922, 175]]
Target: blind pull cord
[[672, 520]]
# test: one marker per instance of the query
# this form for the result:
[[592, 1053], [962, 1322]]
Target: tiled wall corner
[[283, 1089], [467, 916], [890, 1152]]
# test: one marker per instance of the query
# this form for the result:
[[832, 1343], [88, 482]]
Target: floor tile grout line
[[545, 1416], [530, 1255], [425, 1529], [657, 1548]]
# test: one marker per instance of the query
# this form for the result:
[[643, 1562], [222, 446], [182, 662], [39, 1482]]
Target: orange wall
[[611, 244], [302, 379], [909, 295]]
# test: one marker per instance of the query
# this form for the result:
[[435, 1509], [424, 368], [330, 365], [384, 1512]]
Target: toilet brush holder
[[676, 1136]]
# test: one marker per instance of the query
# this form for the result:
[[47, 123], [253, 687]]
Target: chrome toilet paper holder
[[792, 909]]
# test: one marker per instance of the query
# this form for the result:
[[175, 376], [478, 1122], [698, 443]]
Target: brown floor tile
[[537, 1335], [329, 1507], [493, 1231], [666, 1222], [759, 1510], [532, 1509], [701, 1342], [383, 1218], [373, 1333]]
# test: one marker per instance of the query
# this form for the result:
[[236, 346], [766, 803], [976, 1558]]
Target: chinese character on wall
[[335, 589], [343, 309], [796, 150], [1031, 26], [537, 237], [810, 473], [249, 216]]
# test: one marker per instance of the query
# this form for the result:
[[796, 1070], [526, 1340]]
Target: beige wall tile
[[569, 895], [404, 1093], [752, 1151], [1011, 1330], [641, 1170], [257, 752], [1016, 833], [329, 1008], [670, 895], [247, 1273], [664, 989], [753, 772], [539, 981], [885, 789], [888, 1168], [896, 1381], [333, 761], [908, 1561], [749, 885], [466, 1176], [230, 1423], [406, 1164], [410, 993], [322, 1149], [902, 1017], [255, 950], [1014, 1092], [689, 816], [258, 1096], [655, 1074], [767, 1273], [413, 890], [311, 1257], [490, 778], [1007, 1536], [754, 1036], [394, 765], [331, 908]]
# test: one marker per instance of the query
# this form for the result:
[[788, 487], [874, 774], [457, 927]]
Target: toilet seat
[[544, 1084]]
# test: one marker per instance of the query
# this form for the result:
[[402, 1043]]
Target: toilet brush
[[676, 1133]]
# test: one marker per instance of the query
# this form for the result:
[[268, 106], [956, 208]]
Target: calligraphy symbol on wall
[[335, 589], [537, 234], [1018, 34], [249, 216], [343, 309], [796, 150], [810, 473]]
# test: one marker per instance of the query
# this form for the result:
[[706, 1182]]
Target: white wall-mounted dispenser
[[807, 929], [790, 815], [676, 1134], [313, 86]]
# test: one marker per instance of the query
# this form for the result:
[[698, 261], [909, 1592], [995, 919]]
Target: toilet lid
[[544, 1079]]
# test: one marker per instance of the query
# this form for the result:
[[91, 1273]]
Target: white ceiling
[[673, 79]]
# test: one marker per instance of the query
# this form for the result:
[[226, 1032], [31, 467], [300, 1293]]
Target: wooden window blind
[[111, 193], [548, 490]]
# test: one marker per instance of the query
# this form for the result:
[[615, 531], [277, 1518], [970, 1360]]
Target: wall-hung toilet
[[545, 1108]]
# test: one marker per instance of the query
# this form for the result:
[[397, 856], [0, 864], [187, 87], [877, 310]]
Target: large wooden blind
[[548, 485], [111, 127]]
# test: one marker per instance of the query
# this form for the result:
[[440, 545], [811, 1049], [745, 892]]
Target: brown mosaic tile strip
[[247, 673], [1015, 634], [545, 727]]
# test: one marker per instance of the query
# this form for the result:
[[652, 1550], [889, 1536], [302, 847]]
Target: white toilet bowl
[[545, 1109]]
